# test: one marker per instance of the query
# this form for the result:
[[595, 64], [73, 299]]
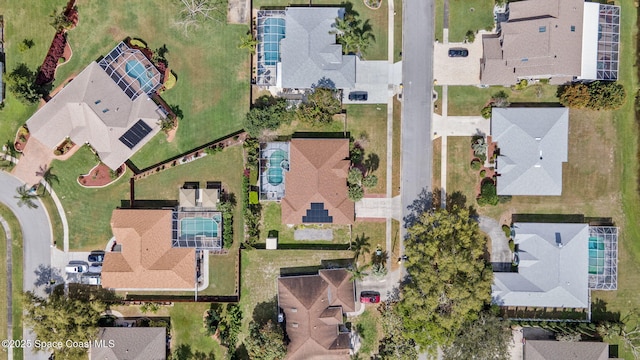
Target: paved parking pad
[[458, 70]]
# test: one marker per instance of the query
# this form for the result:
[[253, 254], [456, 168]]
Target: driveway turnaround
[[458, 70]]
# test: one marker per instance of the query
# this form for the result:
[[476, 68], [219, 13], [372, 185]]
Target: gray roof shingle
[[309, 53], [553, 267], [137, 343], [533, 145]]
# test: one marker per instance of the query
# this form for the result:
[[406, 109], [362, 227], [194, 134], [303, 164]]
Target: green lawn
[[188, 334], [88, 210], [377, 19], [225, 166], [16, 253], [369, 328], [24, 20], [469, 100], [261, 268], [3, 286], [397, 146], [397, 31], [460, 176], [213, 85], [469, 15], [56, 221], [626, 165], [439, 19], [437, 164], [368, 126], [222, 274]]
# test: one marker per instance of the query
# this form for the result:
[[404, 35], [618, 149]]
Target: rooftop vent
[[540, 154]]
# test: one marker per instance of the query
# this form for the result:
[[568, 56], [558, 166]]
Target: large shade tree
[[450, 282], [487, 337], [59, 318]]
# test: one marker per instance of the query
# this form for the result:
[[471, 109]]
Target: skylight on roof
[[542, 29]]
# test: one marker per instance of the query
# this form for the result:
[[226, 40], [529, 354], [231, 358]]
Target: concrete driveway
[[460, 126], [500, 252], [373, 78], [459, 70]]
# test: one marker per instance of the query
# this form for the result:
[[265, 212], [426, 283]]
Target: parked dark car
[[96, 256], [369, 297], [458, 52], [358, 96]]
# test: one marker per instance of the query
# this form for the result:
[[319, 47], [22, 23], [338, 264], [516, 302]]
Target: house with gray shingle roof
[[297, 49], [533, 145], [566, 350], [309, 52], [136, 343], [553, 267]]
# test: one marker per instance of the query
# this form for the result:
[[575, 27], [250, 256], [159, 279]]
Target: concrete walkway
[[389, 190], [9, 259], [500, 252]]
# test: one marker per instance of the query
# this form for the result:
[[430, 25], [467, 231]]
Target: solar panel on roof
[[317, 214], [135, 133]]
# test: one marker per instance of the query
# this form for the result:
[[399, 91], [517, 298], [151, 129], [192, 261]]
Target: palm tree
[[25, 197], [361, 245], [248, 42], [47, 175], [354, 35], [357, 273]]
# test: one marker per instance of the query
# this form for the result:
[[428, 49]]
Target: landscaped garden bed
[[64, 148], [101, 175], [22, 136]]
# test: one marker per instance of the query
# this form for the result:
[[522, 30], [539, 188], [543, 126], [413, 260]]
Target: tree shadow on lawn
[[184, 352]]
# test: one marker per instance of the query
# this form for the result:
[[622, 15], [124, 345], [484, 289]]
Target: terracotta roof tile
[[313, 307], [318, 174], [147, 260]]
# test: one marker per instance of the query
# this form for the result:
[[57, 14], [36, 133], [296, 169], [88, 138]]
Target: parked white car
[[76, 268]]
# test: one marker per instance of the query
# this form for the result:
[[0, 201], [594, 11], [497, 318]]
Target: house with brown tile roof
[[313, 308], [145, 258], [317, 183], [560, 40]]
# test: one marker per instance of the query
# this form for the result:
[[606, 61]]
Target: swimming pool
[[272, 32], [596, 255], [136, 70], [198, 226]]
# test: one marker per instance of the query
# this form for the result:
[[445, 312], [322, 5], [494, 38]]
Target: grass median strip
[[16, 275]]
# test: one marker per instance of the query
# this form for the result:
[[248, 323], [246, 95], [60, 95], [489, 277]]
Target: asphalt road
[[36, 234], [417, 78]]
